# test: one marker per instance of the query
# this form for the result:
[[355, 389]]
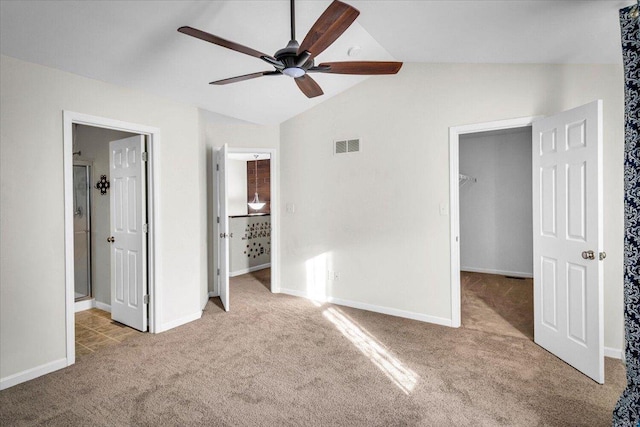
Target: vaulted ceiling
[[135, 43]]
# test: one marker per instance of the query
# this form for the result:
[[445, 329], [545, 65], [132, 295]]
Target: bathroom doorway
[[91, 215], [97, 325], [118, 184]]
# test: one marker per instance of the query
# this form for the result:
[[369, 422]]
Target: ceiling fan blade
[[245, 77], [331, 24], [308, 86], [224, 43], [358, 67]]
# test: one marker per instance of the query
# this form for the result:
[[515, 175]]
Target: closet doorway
[[568, 222], [496, 232]]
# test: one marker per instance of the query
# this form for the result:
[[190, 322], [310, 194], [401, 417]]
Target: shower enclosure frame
[[89, 174]]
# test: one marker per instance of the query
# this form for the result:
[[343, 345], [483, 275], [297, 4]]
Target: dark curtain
[[627, 411]]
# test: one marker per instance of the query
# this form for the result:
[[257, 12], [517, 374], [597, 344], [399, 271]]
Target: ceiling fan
[[297, 60]]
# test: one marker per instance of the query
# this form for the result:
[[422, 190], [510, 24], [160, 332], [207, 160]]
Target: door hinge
[[146, 299], [145, 156], [145, 228], [217, 167], [218, 272], [218, 220]]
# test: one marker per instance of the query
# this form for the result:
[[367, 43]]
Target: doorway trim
[[454, 198], [275, 215], [69, 118]]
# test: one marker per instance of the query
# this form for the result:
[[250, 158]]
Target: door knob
[[111, 239], [588, 255], [603, 255]]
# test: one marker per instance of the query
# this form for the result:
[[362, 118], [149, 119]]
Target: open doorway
[[247, 220], [249, 197], [567, 213], [94, 326], [109, 230], [496, 232]]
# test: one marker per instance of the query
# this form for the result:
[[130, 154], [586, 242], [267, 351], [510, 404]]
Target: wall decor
[[103, 185], [250, 246]]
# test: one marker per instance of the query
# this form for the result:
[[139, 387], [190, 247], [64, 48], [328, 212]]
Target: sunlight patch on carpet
[[403, 377]]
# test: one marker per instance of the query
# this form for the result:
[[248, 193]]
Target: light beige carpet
[[497, 304], [280, 360]]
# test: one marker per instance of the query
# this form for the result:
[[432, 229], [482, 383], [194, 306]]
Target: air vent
[[346, 146]]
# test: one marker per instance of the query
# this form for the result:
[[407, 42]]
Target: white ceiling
[[135, 43]]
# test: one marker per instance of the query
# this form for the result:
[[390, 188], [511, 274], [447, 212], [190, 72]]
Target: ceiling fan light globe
[[294, 72]]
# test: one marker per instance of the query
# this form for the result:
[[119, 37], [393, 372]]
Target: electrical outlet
[[336, 276], [291, 208], [444, 209]]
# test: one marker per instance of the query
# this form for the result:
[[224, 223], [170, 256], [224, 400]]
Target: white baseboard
[[250, 269], [614, 353], [375, 308], [91, 303], [179, 322], [296, 293], [84, 304], [32, 373], [213, 294], [103, 306], [498, 272]]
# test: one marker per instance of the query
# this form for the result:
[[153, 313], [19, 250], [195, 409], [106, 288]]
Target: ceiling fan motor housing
[[290, 58]]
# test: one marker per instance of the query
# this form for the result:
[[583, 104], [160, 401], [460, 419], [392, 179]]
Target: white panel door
[[223, 228], [128, 239], [567, 237]]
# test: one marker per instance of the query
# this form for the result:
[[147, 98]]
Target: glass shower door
[[82, 230]]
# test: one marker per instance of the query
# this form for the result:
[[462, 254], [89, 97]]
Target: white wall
[[496, 222], [32, 276], [375, 217], [237, 187], [93, 143], [216, 131]]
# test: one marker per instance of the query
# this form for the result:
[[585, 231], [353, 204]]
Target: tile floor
[[96, 330]]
